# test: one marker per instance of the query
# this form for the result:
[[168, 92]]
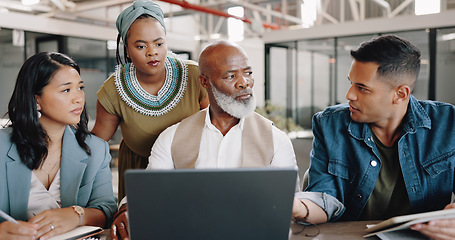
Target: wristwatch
[[80, 211]]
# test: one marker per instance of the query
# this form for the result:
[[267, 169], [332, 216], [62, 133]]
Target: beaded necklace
[[145, 103]]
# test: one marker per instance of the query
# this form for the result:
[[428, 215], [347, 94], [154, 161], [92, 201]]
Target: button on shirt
[[218, 151], [345, 162]]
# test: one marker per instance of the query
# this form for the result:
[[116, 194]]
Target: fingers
[[21, 230], [437, 229], [123, 230], [119, 227], [54, 221], [114, 232], [48, 230]]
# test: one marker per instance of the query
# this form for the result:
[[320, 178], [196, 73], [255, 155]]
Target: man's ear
[[402, 94], [204, 81]]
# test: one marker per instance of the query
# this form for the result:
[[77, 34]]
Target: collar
[[416, 117], [208, 122], [70, 147]]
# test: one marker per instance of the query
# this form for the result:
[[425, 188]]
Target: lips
[[77, 111], [243, 96], [153, 63], [352, 108]]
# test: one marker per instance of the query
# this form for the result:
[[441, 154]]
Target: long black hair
[[29, 136]]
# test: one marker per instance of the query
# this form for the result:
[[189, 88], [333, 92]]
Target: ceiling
[[262, 15]]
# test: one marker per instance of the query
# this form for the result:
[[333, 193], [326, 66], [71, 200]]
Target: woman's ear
[[38, 105]]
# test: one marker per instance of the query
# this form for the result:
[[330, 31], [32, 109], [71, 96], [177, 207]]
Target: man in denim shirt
[[385, 153]]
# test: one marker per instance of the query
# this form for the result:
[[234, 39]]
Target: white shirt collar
[[208, 122]]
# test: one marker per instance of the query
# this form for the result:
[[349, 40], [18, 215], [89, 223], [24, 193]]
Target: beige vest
[[257, 141]]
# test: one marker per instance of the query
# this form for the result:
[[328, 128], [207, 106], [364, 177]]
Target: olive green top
[[144, 116], [389, 197]]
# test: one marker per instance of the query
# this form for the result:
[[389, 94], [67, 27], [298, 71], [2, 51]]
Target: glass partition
[[11, 60], [445, 62]]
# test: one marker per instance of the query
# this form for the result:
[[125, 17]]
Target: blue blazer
[[85, 180]]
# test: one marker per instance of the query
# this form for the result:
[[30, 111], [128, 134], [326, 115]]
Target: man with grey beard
[[227, 134]]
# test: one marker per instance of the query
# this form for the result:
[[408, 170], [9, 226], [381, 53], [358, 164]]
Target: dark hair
[[396, 57], [30, 138]]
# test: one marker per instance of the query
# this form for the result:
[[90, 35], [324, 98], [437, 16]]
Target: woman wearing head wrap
[[150, 90]]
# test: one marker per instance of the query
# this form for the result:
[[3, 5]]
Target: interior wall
[[11, 59]]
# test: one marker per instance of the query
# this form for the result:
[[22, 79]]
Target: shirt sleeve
[[322, 189], [161, 156], [284, 155], [331, 206]]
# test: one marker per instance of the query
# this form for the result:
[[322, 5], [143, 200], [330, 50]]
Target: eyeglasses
[[298, 228]]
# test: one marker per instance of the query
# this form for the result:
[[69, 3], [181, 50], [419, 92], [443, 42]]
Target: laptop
[[198, 204]]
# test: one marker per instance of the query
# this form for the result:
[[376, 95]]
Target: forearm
[[310, 213], [106, 124], [94, 217]]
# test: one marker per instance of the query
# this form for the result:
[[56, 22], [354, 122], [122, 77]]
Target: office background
[[299, 50]]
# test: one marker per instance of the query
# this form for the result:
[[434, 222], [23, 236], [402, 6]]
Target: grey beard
[[236, 108]]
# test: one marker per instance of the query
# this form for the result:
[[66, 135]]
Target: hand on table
[[119, 228], [19, 231], [443, 229], [53, 222]]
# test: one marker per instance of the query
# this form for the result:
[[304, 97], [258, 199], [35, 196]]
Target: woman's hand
[[119, 228], [53, 222], [19, 231], [438, 229]]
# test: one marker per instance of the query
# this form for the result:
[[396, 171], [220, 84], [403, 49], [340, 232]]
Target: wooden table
[[337, 230]]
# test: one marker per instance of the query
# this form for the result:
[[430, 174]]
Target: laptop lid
[[210, 204]]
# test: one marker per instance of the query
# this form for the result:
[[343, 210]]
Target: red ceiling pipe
[[186, 5]]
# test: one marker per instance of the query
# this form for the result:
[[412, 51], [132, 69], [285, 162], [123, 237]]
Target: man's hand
[[119, 228], [443, 229], [20, 230]]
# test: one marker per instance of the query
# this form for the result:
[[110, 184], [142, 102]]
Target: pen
[[7, 217]]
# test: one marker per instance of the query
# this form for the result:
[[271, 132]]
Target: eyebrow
[[358, 84], [243, 69], [69, 83], [155, 40]]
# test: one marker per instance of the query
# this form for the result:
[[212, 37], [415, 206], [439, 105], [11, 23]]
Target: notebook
[[405, 221], [210, 204]]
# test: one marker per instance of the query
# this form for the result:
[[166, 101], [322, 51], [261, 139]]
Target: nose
[[350, 95], [244, 82], [79, 97], [152, 51]]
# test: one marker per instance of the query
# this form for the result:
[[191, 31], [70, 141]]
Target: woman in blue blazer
[[54, 174]]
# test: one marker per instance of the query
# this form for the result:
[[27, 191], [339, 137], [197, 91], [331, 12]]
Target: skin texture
[[225, 66], [61, 103], [147, 50], [377, 102]]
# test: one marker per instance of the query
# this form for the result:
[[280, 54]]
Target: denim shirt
[[345, 162]]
